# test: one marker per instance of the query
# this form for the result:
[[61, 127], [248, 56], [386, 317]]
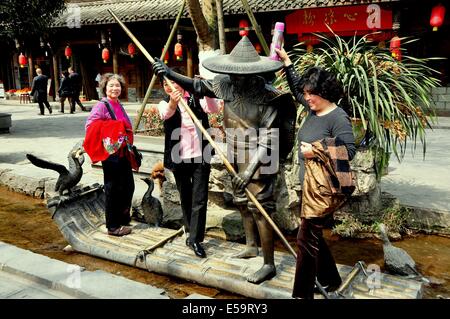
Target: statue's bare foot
[[264, 273], [248, 252]]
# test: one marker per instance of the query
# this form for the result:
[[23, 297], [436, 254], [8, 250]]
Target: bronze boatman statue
[[255, 114]]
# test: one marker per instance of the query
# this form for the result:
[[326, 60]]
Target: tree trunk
[[221, 27], [205, 37], [205, 24]]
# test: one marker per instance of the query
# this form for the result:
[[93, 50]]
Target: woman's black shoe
[[198, 250]]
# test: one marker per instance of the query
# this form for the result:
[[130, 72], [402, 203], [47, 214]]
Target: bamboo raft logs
[[80, 219]]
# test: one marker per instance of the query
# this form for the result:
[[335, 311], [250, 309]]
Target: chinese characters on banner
[[347, 20]]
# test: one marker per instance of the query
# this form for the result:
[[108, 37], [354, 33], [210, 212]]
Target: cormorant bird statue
[[151, 206], [68, 178], [397, 260]]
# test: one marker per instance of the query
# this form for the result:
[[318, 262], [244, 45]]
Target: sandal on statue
[[120, 231]]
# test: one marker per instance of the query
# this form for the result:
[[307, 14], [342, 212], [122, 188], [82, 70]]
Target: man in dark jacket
[[76, 85], [39, 91]]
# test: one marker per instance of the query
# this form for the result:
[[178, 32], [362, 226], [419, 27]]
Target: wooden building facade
[[87, 28]]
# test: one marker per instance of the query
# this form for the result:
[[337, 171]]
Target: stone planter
[[5, 122]]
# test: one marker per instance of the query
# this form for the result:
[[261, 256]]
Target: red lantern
[[437, 16], [68, 52], [179, 51], [258, 48], [131, 50], [166, 56], [395, 48], [243, 28], [105, 55], [22, 60]]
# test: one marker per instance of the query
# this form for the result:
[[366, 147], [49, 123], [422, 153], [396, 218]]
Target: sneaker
[[120, 231]]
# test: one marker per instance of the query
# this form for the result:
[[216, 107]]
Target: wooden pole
[[115, 60], [255, 25], [221, 27], [189, 63], [55, 76], [208, 137], [163, 241], [30, 69], [154, 77]]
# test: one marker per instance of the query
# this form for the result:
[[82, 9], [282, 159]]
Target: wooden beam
[[255, 24], [189, 63], [115, 61], [55, 76]]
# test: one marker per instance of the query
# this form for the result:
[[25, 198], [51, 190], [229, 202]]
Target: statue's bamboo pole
[[163, 241], [208, 137]]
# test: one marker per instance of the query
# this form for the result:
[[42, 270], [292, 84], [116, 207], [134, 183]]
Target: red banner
[[346, 20]]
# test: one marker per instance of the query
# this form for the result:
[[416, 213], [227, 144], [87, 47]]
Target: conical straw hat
[[242, 60]]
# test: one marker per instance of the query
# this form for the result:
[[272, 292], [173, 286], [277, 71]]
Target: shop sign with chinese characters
[[343, 20]]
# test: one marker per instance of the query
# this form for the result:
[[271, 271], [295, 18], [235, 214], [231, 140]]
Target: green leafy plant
[[389, 99]]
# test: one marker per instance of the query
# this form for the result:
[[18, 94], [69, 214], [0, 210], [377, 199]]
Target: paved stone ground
[[423, 183], [53, 279], [420, 183]]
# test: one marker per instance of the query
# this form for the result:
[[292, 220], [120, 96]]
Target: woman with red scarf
[[109, 139]]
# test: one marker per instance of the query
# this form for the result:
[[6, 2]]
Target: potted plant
[[389, 100]]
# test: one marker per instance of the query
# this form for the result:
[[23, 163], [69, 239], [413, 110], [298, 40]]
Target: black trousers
[[192, 184], [314, 259], [119, 189], [42, 103], [62, 99], [76, 99]]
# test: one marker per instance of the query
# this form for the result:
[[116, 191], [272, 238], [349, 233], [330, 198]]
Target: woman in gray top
[[319, 91]]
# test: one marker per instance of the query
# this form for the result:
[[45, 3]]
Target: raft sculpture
[[80, 217]]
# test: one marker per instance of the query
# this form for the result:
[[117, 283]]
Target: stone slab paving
[[424, 183], [24, 274]]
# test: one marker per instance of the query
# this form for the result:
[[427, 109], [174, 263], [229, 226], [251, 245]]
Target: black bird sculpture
[[397, 260], [68, 178], [151, 206]]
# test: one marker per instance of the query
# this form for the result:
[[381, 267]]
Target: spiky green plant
[[391, 98]]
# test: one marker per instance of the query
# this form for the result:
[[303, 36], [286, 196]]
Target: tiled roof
[[94, 12]]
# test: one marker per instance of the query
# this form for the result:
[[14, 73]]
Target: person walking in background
[[326, 141], [98, 78], [109, 139], [39, 91], [65, 92], [76, 86], [190, 168]]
